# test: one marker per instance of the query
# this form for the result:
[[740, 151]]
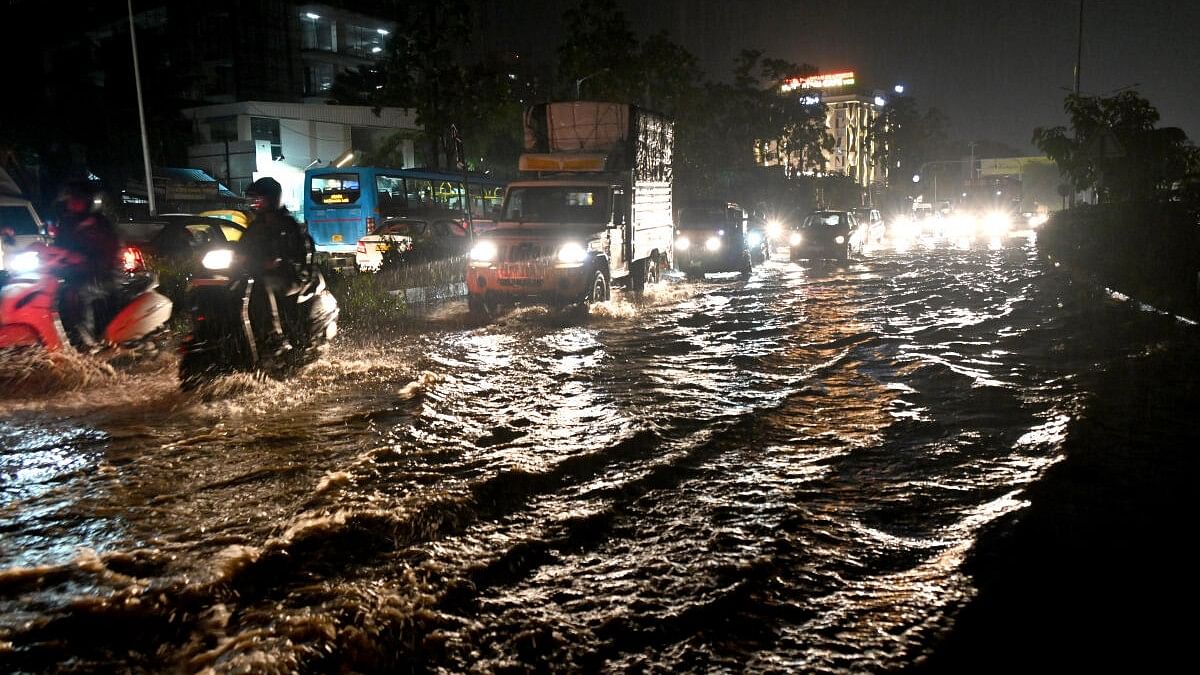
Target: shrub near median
[[1148, 251]]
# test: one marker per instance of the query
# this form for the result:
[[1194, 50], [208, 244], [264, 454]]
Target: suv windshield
[[702, 219], [826, 220], [557, 205]]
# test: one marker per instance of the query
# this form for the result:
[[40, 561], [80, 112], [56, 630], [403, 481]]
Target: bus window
[[335, 188], [420, 192], [389, 194], [450, 195]]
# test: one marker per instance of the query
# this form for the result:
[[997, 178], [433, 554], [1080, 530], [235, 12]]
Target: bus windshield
[[335, 189], [557, 204]]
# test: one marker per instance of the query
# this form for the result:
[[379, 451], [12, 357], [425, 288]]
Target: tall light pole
[[1079, 48], [137, 82], [580, 81]]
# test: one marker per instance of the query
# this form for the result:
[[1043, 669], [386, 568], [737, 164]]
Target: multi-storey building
[[849, 116]]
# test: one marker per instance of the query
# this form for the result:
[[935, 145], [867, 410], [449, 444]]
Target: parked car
[[827, 234], [417, 239], [873, 219], [712, 238]]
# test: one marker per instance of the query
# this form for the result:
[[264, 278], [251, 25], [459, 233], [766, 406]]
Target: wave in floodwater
[[779, 474]]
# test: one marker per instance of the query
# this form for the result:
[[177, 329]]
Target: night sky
[[996, 68]]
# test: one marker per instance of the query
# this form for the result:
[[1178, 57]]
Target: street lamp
[[580, 81]]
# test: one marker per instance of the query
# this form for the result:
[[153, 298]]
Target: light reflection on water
[[784, 473]]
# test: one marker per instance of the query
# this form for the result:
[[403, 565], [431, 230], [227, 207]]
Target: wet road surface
[[782, 474]]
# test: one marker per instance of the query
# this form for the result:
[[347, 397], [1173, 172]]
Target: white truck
[[19, 222], [595, 209]]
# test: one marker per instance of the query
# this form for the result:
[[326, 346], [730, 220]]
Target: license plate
[[520, 271], [381, 247]]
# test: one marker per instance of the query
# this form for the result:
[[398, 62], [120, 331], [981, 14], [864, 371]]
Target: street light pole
[[580, 81], [1079, 49], [137, 81]]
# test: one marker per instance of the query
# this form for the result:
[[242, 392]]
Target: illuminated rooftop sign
[[826, 81]]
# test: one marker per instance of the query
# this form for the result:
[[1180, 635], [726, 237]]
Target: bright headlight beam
[[484, 251], [27, 261], [572, 253], [712, 244], [217, 259], [683, 244], [839, 239], [795, 239]]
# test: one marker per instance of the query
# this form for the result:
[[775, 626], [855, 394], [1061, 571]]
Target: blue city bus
[[341, 205]]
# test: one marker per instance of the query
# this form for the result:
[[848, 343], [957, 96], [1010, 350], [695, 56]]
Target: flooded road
[[782, 474]]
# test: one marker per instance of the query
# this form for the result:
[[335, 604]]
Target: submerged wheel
[[599, 291]]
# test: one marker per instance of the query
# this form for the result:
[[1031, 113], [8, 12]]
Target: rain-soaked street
[[784, 474]]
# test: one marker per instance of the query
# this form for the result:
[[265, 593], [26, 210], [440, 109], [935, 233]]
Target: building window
[[267, 129], [317, 32], [222, 129], [365, 42], [318, 78]]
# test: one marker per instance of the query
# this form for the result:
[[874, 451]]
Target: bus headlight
[[774, 229], [572, 253], [839, 239], [682, 244], [795, 239], [217, 259], [484, 251], [712, 244]]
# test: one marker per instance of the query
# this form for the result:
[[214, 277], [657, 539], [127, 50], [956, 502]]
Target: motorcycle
[[223, 338], [30, 306]]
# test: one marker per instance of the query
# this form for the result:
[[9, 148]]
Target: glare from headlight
[[682, 244], [217, 259], [839, 239], [774, 228], [484, 251], [572, 253], [997, 222], [795, 239], [753, 239], [1038, 220], [712, 243], [22, 263]]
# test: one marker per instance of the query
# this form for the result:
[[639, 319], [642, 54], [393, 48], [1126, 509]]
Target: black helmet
[[267, 190]]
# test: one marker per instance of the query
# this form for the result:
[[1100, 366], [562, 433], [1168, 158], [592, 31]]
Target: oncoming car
[[713, 238], [827, 234]]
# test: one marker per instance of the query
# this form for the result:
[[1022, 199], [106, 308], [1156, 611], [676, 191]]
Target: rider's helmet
[[80, 197], [264, 194]]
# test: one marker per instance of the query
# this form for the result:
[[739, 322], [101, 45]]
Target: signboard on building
[[824, 81]]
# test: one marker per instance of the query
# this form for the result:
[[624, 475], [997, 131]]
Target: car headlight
[[712, 243], [839, 239], [22, 263], [484, 251], [572, 253], [997, 221], [682, 244], [754, 239], [774, 229], [217, 259], [795, 239]]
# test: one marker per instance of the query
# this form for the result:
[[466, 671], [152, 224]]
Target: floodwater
[[783, 474]]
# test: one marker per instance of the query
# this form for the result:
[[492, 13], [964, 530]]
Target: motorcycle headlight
[[484, 251], [217, 259], [22, 263], [682, 243], [572, 253], [839, 239], [754, 239], [712, 244], [774, 229], [795, 239]]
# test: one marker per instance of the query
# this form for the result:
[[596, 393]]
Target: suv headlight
[[682, 243], [572, 253], [795, 239], [217, 259], [774, 229], [484, 251], [712, 244], [839, 239]]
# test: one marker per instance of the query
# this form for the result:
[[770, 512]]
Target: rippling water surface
[[781, 474]]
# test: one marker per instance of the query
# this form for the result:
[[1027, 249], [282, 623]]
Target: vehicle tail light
[[132, 260], [362, 247], [370, 226]]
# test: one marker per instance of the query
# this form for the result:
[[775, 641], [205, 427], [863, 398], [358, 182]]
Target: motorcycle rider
[[91, 269], [278, 253]]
